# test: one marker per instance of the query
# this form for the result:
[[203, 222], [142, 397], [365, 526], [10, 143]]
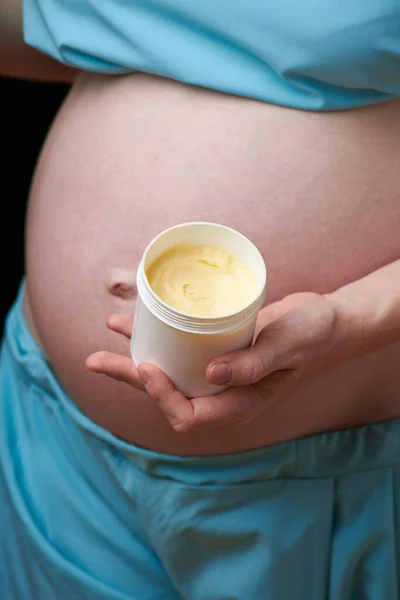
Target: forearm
[[370, 309], [17, 59]]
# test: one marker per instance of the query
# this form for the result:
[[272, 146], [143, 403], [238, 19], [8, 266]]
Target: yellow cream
[[205, 281]]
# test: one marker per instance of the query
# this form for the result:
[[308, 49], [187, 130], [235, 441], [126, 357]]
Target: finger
[[120, 323], [115, 366], [177, 408], [233, 406]]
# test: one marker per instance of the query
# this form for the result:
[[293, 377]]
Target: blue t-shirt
[[306, 54]]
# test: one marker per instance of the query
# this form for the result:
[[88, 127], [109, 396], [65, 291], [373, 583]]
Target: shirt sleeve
[[77, 33]]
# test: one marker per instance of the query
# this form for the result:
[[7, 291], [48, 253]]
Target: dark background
[[27, 110]]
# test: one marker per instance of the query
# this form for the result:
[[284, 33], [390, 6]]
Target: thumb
[[286, 328], [245, 367]]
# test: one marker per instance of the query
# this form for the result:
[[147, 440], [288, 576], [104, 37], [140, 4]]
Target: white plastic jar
[[180, 344]]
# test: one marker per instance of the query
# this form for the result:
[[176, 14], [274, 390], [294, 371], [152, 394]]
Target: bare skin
[[129, 156]]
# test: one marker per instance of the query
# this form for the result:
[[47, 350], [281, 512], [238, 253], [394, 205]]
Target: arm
[[17, 59]]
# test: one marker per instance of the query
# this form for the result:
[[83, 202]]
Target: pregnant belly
[[129, 156]]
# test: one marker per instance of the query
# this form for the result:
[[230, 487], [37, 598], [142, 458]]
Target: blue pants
[[85, 516]]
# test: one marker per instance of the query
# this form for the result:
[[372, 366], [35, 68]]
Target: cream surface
[[202, 280]]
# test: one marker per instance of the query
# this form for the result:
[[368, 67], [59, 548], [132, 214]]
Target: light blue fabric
[[307, 54], [85, 516]]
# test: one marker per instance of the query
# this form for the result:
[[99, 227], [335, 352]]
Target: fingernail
[[143, 375], [221, 374]]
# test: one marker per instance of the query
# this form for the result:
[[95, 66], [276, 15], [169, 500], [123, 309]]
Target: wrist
[[351, 325], [366, 319]]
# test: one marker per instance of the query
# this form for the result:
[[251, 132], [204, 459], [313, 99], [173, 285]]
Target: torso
[[131, 155]]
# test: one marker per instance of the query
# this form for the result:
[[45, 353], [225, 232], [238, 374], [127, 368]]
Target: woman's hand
[[297, 339]]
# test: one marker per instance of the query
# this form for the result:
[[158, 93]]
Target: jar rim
[[192, 323]]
